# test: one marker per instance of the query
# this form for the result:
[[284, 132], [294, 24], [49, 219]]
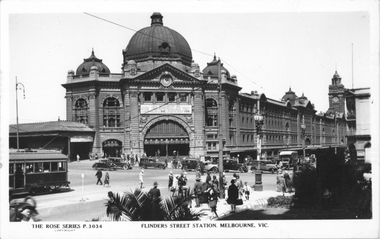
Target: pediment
[[167, 71]]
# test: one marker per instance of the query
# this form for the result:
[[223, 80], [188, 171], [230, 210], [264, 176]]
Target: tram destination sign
[[165, 109]]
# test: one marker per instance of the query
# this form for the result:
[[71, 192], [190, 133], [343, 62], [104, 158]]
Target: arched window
[[111, 112], [211, 112], [80, 111]]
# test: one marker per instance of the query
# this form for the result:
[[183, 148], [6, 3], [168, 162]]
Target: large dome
[[158, 42], [85, 67]]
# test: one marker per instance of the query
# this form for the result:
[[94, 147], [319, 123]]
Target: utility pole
[[23, 88], [220, 132]]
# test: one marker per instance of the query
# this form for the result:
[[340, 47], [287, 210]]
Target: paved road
[[87, 202]]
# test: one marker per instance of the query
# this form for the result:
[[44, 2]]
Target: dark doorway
[[112, 148]]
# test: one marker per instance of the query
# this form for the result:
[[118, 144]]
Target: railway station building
[[163, 104]]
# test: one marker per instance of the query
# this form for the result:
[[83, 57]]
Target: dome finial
[[214, 56], [157, 19]]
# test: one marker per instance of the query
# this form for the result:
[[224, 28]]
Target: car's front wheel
[[125, 167], [272, 170], [162, 167], [184, 168]]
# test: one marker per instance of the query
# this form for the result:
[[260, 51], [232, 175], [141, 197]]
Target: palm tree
[[139, 206]]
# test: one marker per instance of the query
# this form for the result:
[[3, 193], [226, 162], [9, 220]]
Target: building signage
[[165, 109], [80, 139]]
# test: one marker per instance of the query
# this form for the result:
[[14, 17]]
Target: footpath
[[223, 209]]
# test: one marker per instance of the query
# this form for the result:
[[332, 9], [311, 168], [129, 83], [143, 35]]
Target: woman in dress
[[233, 195]]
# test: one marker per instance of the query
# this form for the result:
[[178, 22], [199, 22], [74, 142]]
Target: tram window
[[46, 167], [11, 168], [29, 168], [38, 167], [61, 166], [54, 166]]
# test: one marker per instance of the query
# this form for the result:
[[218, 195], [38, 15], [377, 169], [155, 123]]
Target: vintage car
[[265, 165], [104, 164], [190, 164], [211, 167], [233, 165], [120, 163], [152, 163]]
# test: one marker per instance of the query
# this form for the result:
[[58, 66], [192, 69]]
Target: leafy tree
[[139, 206]]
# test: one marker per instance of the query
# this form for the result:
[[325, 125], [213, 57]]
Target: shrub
[[280, 201]]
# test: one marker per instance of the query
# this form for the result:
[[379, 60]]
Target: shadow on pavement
[[288, 214]]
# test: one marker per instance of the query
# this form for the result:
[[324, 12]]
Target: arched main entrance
[[112, 147], [166, 138]]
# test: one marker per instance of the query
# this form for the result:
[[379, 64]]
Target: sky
[[269, 47]]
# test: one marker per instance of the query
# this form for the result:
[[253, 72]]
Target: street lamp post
[[259, 120], [23, 89], [303, 132]]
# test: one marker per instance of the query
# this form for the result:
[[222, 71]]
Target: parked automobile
[[265, 165], [104, 164], [120, 163], [189, 164], [151, 162], [211, 167], [230, 164]]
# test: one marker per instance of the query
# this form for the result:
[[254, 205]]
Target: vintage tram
[[35, 171]]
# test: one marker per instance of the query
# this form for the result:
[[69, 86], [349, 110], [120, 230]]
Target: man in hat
[[155, 192], [99, 175], [27, 216], [170, 184], [198, 186]]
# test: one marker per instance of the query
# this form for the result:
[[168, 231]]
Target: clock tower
[[336, 95]]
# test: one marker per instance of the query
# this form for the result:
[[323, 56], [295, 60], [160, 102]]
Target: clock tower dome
[[336, 95]]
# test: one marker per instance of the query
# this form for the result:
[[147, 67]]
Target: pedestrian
[[281, 184], [208, 178], [212, 198], [154, 192], [233, 195], [107, 180], [170, 184], [99, 175], [78, 157], [27, 216], [198, 189], [288, 182], [181, 184], [197, 174], [224, 185], [215, 182], [141, 178], [247, 191]]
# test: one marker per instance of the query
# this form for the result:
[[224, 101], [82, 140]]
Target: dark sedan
[[233, 165], [120, 163], [152, 163], [190, 164], [104, 164]]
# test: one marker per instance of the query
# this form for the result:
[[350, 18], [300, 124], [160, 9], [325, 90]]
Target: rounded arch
[[165, 118], [166, 136], [80, 102], [118, 102]]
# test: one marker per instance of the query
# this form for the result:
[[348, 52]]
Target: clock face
[[166, 80], [335, 99]]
